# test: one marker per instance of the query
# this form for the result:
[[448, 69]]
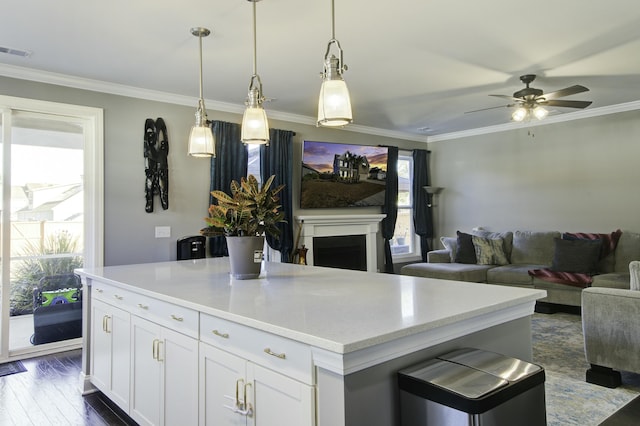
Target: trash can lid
[[451, 377], [508, 368]]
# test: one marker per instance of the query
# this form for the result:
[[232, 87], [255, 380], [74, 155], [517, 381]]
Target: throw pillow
[[466, 252], [507, 240], [490, 251], [450, 244], [579, 255]]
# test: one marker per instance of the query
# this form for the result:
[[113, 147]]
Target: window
[[405, 245], [253, 162]]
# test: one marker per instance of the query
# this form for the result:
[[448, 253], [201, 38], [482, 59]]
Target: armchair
[[611, 328]]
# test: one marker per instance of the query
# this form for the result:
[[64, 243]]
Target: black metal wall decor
[[156, 165]]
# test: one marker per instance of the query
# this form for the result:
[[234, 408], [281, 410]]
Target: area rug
[[558, 346], [12, 368]]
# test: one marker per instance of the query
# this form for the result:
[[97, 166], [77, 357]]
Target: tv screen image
[[342, 175]]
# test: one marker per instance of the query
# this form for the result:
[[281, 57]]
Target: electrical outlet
[[163, 231]]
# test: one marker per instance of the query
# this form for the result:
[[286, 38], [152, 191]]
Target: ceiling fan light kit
[[531, 102]]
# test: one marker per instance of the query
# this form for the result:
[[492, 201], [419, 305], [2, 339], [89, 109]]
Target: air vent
[[16, 52]]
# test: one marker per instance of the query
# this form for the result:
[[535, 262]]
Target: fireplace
[[342, 251], [363, 227]]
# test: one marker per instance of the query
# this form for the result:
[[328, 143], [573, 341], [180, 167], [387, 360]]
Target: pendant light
[[334, 105], [255, 126], [201, 143]]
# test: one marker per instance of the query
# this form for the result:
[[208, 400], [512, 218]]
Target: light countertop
[[337, 310]]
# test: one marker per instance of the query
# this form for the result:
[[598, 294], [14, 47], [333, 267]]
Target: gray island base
[[184, 343]]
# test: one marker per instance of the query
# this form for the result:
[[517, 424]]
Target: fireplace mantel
[[333, 225]]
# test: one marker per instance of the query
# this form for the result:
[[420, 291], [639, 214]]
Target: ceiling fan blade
[[511, 98], [485, 109], [567, 104], [568, 91]]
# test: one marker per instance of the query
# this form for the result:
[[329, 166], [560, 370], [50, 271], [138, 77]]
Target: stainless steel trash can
[[472, 387]]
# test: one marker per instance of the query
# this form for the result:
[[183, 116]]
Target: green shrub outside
[[28, 272]]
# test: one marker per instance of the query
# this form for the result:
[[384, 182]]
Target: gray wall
[[129, 230], [580, 176]]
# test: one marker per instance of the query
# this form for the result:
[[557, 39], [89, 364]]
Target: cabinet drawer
[[177, 318], [114, 296], [278, 353]]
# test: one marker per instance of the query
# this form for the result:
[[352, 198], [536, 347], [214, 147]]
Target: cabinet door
[[146, 383], [179, 357], [280, 400], [221, 374], [110, 362]]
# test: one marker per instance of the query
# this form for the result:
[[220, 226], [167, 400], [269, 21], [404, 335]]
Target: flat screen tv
[[342, 175]]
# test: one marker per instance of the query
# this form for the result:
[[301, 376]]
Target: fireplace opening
[[344, 252]]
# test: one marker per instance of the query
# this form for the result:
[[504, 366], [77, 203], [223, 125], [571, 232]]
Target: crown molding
[[30, 74], [23, 73]]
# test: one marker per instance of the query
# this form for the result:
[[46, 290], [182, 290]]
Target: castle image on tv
[[342, 175]]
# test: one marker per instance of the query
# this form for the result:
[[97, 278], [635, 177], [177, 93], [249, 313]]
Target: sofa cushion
[[628, 249], [448, 271], [612, 280], [634, 275], [450, 244], [576, 255], [536, 248], [512, 274], [465, 250], [490, 251], [506, 236], [606, 261]]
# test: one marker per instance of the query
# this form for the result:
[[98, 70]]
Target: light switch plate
[[163, 231]]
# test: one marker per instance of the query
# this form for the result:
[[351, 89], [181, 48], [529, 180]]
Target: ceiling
[[415, 66]]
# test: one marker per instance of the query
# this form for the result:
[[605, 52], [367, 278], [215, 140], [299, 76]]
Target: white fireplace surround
[[336, 225]]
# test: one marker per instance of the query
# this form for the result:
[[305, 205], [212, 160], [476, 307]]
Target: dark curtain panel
[[277, 159], [390, 207], [229, 164], [422, 215]]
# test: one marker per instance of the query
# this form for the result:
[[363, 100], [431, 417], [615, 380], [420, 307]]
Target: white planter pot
[[245, 256]]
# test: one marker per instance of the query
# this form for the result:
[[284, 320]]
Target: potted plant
[[244, 218]]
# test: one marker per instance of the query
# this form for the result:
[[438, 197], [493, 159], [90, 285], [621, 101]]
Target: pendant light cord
[[200, 43], [333, 20], [255, 41]]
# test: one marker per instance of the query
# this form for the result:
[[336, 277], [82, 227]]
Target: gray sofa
[[525, 251]]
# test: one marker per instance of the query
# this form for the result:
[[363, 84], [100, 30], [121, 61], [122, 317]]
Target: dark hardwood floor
[[48, 394]]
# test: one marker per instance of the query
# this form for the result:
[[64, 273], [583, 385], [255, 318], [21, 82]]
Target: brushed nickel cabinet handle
[[118, 297], [223, 335], [270, 352], [177, 318], [141, 306], [99, 290]]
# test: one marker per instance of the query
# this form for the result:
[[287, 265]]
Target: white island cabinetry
[[236, 388], [165, 375], [111, 350], [299, 346]]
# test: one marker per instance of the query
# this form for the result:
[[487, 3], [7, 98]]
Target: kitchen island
[[184, 343]]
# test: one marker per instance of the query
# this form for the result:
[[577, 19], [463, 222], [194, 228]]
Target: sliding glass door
[[45, 206]]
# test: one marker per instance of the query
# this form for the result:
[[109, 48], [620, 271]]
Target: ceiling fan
[[531, 101]]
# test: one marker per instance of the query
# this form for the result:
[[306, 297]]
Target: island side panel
[[370, 397]]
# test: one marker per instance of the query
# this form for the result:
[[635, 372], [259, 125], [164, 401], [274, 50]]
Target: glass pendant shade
[[255, 126], [201, 141], [334, 104]]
